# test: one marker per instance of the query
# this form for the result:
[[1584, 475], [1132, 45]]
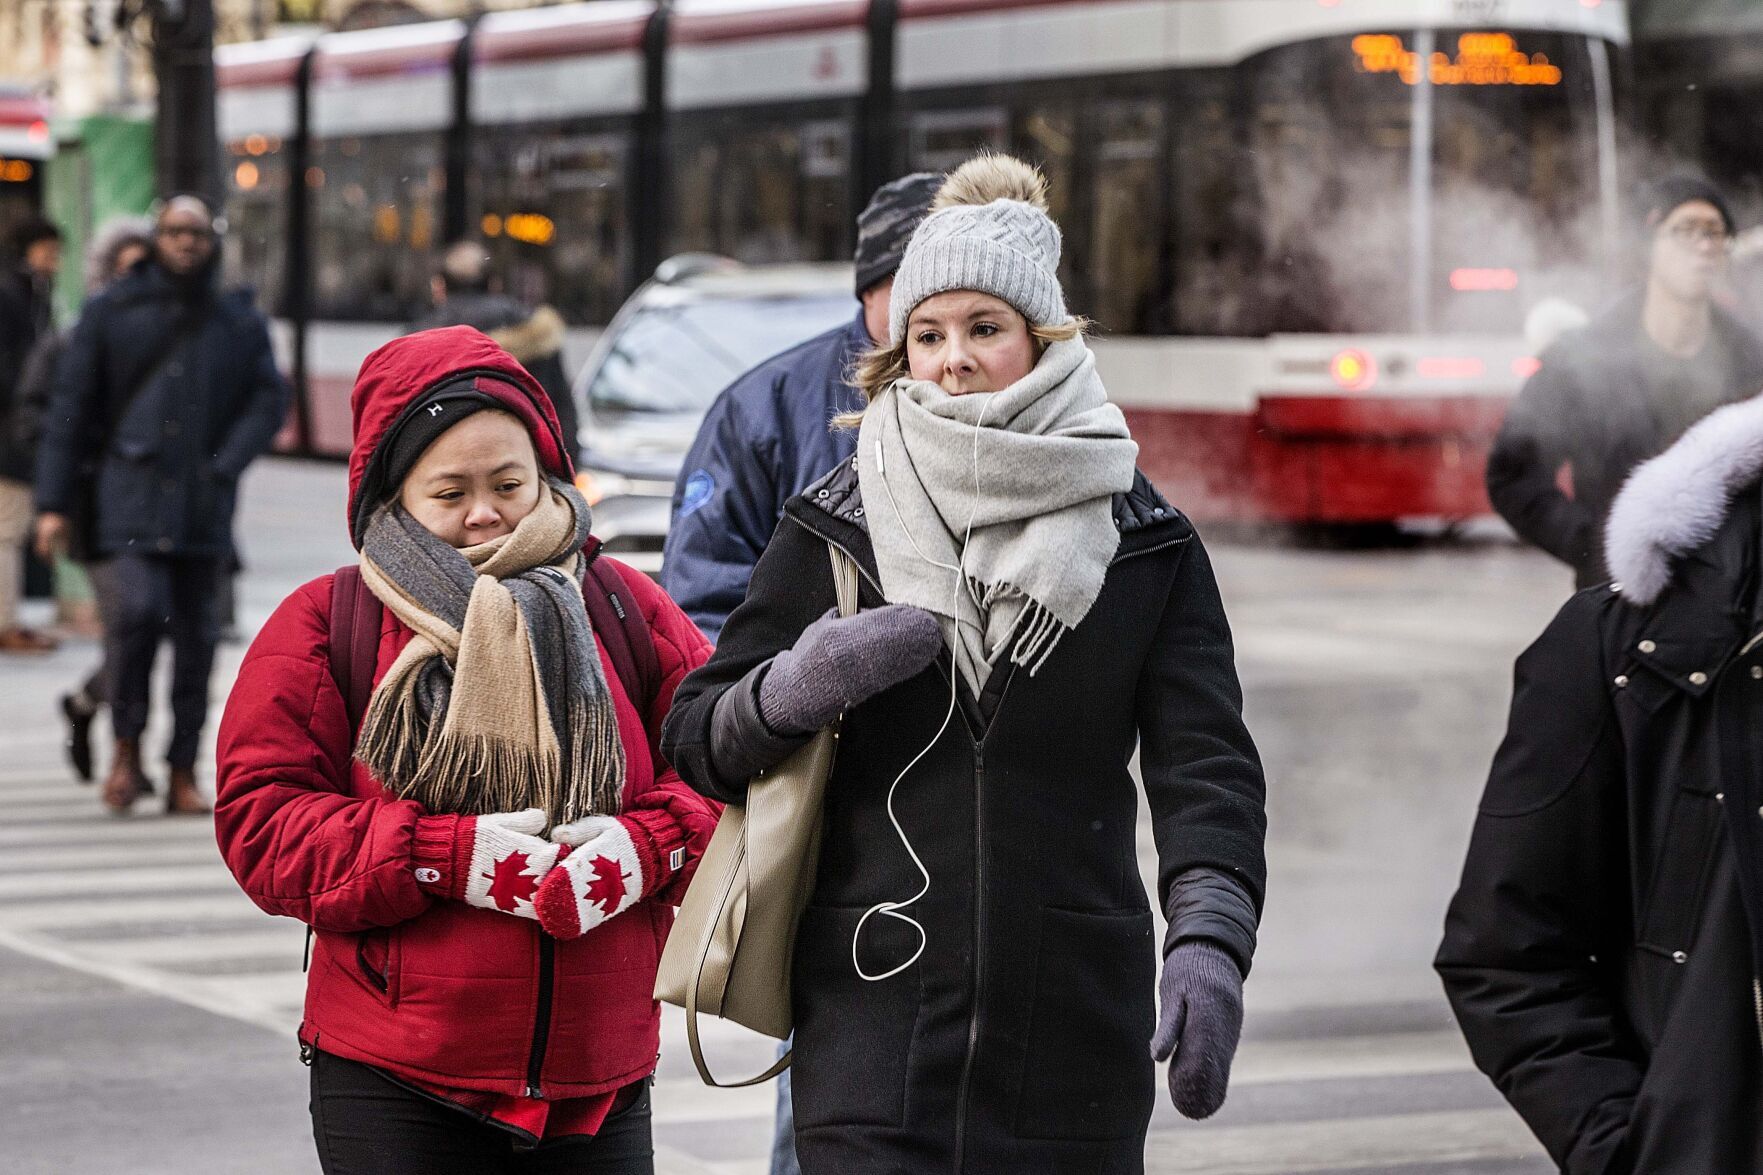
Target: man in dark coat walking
[[464, 296], [26, 315], [767, 436], [1602, 951], [1621, 389], [167, 391]]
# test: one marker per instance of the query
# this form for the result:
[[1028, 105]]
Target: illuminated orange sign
[[16, 171], [1483, 59]]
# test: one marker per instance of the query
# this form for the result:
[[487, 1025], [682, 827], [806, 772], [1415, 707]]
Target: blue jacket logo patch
[[699, 487]]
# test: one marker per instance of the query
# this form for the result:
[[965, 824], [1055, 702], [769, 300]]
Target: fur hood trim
[[539, 337], [1676, 502]]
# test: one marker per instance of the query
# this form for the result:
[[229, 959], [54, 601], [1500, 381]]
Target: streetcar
[[1309, 232]]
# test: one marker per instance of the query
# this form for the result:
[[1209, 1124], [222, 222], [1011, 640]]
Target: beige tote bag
[[729, 952]]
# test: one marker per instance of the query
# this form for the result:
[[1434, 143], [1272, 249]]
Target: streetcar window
[[1329, 154], [1124, 277], [551, 204], [676, 358], [1214, 245], [377, 205], [256, 248], [1515, 189], [942, 140], [763, 189]]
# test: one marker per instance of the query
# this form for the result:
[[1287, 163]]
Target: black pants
[[367, 1124], [153, 597]]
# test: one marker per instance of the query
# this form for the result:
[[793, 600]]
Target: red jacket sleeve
[[671, 813], [299, 843]]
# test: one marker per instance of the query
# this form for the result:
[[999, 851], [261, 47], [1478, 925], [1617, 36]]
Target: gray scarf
[[498, 702], [1052, 453]]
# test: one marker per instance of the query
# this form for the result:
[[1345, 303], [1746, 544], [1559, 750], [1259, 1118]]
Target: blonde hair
[[878, 368]]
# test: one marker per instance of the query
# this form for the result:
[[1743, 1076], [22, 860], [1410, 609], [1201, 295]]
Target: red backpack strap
[[356, 614], [621, 628]]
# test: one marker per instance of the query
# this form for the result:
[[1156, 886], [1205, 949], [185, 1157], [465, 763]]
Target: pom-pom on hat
[[988, 231]]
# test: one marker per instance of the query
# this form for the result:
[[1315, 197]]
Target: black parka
[[162, 435], [1591, 406], [1598, 953], [1019, 1041]]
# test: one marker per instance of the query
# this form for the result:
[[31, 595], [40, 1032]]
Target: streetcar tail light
[[1483, 280], [1526, 366], [1451, 367], [1353, 369]]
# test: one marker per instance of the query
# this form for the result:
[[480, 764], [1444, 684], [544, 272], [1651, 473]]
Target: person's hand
[[599, 877], [1199, 1023], [839, 662], [507, 861], [51, 535]]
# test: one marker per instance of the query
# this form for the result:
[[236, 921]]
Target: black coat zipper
[[542, 1021], [979, 954]]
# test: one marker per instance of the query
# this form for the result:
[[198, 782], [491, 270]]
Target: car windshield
[[675, 359]]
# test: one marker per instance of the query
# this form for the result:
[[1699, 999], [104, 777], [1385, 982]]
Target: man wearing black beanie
[[767, 437], [1625, 386]]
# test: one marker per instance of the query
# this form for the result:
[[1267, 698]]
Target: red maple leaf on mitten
[[510, 884], [606, 887]]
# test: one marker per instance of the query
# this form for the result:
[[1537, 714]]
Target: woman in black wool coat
[[973, 976]]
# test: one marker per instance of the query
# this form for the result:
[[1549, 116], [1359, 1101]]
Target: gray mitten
[[839, 661], [1199, 1023]]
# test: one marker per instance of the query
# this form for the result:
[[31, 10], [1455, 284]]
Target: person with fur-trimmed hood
[[975, 993], [1603, 949], [464, 294], [448, 773]]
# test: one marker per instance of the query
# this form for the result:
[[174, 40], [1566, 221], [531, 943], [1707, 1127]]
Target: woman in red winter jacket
[[490, 861]]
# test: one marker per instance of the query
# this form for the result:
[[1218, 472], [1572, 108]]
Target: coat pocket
[[1087, 1071], [376, 962], [853, 1037]]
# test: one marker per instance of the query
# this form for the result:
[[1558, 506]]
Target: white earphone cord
[[893, 909]]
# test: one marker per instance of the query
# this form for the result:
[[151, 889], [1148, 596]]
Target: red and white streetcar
[[1309, 231]]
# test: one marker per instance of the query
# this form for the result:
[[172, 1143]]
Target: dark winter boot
[[182, 798], [126, 782], [79, 712]]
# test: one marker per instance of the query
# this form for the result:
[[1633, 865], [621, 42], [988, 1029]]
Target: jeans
[[783, 1139], [152, 597], [367, 1124]]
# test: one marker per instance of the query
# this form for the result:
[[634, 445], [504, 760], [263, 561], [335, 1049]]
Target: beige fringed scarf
[[498, 702]]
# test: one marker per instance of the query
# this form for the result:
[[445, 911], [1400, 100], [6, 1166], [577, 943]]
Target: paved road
[[147, 1009]]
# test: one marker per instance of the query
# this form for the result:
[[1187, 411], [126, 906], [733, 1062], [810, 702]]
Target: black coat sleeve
[[1202, 774], [264, 408], [73, 425], [792, 587], [1544, 895], [1533, 444]]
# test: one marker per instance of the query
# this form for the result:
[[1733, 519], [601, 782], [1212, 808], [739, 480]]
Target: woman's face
[[475, 482], [966, 341]]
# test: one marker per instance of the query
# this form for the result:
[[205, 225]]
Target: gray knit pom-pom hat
[[988, 231]]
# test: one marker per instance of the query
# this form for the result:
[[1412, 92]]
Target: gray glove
[[838, 662], [1199, 1023]]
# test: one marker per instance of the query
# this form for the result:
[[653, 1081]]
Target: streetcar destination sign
[[1482, 59]]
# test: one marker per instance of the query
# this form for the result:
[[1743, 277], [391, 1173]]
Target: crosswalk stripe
[[123, 909], [145, 852], [1341, 1144], [45, 883], [1358, 1057], [94, 830], [287, 937]]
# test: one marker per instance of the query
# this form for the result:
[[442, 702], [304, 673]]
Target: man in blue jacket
[[168, 389], [767, 436]]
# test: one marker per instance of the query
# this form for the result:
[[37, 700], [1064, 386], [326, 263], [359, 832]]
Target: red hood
[[405, 368]]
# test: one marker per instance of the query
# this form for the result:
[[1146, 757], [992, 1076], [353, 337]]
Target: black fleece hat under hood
[[420, 424], [1674, 191]]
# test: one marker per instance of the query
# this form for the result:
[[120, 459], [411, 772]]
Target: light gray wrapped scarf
[[1052, 453]]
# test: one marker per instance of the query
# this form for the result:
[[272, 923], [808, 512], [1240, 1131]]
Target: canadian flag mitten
[[498, 862], [611, 863]]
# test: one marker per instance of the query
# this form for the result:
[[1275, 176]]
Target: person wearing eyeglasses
[[1621, 389], [167, 391]]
